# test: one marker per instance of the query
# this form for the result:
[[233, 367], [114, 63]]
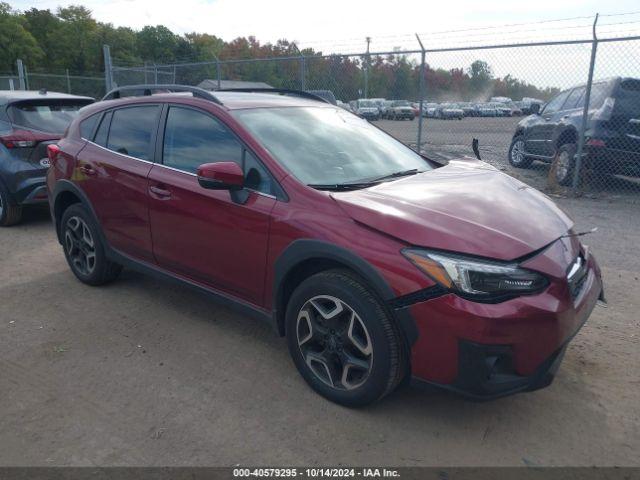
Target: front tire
[[10, 213], [84, 250], [342, 340], [517, 156]]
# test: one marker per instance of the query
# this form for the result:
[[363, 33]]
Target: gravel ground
[[147, 373]]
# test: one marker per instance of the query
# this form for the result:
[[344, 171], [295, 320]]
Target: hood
[[466, 206]]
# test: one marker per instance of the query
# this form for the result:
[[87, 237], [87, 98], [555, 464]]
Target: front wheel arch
[[304, 258]]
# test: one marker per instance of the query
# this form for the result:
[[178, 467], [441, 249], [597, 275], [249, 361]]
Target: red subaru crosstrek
[[376, 263]]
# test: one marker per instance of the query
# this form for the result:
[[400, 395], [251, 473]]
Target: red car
[[377, 264]]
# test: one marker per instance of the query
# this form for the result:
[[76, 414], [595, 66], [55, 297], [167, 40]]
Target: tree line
[[71, 39]]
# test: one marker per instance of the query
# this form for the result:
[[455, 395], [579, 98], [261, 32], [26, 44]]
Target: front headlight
[[488, 280]]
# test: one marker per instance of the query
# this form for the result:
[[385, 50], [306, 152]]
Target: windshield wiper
[[342, 186], [402, 173]]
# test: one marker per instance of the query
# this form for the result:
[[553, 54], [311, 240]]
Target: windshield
[[328, 145], [47, 116]]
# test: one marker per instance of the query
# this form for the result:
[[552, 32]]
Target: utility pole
[[366, 70]]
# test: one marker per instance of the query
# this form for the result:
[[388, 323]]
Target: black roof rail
[[279, 91], [149, 89]]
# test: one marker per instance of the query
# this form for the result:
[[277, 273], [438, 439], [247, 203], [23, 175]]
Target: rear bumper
[[486, 351], [614, 161]]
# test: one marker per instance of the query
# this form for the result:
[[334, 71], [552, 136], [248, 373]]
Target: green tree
[[15, 40]]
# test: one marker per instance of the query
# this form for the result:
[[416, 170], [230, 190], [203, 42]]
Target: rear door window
[[132, 130], [52, 116]]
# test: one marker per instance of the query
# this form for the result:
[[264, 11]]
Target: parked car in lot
[[612, 132], [29, 121], [468, 109], [501, 109], [367, 109], [485, 110], [400, 110], [527, 105], [429, 110], [449, 111], [375, 262]]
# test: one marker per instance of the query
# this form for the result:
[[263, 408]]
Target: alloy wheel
[[563, 166], [517, 152], [80, 246], [334, 342]]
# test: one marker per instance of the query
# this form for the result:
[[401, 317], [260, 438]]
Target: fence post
[[303, 85], [585, 109], [68, 81], [366, 70], [155, 74], [420, 94], [21, 78], [108, 71], [26, 76], [218, 72], [174, 75]]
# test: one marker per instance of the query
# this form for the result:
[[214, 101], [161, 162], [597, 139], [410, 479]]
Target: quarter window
[[103, 130], [192, 138], [88, 125], [132, 129]]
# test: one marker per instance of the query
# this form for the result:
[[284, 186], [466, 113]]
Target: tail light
[[596, 142], [18, 139], [52, 152], [605, 111]]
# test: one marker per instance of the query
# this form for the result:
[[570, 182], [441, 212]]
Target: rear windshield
[[45, 115]]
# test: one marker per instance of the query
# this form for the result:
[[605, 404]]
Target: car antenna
[[476, 149]]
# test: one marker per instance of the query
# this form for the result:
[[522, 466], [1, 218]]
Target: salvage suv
[[29, 121], [612, 133], [376, 263]]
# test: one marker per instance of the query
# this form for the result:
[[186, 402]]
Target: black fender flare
[[307, 249], [63, 186]]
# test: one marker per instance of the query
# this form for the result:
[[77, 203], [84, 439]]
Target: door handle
[[87, 170], [160, 192]]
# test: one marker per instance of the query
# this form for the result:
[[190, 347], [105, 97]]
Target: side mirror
[[535, 108], [221, 176]]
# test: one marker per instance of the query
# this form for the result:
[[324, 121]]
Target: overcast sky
[[341, 21], [341, 26]]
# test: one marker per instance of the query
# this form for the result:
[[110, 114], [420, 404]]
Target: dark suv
[[29, 121], [377, 264], [612, 135]]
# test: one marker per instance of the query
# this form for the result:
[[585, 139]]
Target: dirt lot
[[146, 373]]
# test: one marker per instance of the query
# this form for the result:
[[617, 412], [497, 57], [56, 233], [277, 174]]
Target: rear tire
[[564, 164], [517, 157], [342, 340], [84, 249], [10, 212]]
